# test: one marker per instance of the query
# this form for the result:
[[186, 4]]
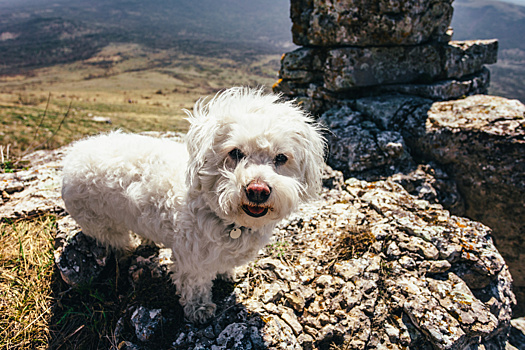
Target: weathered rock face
[[34, 191], [358, 147], [481, 142], [440, 71], [79, 258], [369, 23], [474, 145], [367, 141], [348, 67], [372, 69], [359, 48], [367, 266]]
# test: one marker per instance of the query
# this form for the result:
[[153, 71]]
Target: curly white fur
[[250, 160]]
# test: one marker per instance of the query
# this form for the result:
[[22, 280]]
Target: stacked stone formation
[[361, 47]]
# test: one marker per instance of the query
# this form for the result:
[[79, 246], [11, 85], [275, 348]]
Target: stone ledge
[[344, 68]]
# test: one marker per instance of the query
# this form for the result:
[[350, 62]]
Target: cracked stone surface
[[360, 48], [362, 23], [367, 266]]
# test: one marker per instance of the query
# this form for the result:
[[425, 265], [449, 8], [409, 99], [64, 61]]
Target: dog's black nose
[[258, 192]]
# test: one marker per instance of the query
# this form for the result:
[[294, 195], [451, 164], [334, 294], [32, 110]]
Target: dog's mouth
[[255, 211]]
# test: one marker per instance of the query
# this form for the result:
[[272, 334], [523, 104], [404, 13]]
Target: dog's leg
[[195, 295], [105, 231]]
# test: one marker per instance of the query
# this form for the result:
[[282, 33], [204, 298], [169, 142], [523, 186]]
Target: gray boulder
[[480, 141], [474, 147], [365, 23]]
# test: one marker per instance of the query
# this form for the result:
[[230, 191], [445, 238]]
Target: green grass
[[27, 128]]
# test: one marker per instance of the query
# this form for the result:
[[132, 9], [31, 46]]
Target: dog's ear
[[199, 141], [313, 146]]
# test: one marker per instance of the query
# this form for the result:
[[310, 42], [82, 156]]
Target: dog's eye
[[236, 154], [280, 159]]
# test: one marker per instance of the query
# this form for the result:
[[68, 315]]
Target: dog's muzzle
[[257, 193]]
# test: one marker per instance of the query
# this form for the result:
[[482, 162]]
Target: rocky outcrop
[[468, 153], [481, 143], [366, 266], [35, 191], [360, 48], [373, 71], [363, 23]]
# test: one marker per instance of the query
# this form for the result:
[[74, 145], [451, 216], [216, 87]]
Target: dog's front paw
[[200, 313]]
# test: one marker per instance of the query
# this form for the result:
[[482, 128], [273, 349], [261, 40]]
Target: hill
[[35, 33], [483, 19], [128, 50], [137, 63]]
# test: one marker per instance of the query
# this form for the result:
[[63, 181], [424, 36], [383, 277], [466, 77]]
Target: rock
[[156, 264], [360, 23], [127, 345], [296, 300], [272, 293], [79, 258], [234, 336], [35, 191], [431, 183], [349, 67], [146, 322], [359, 148], [446, 89], [458, 300], [100, 119], [478, 141], [282, 271], [472, 145], [289, 317], [343, 68], [411, 266], [355, 49], [517, 333]]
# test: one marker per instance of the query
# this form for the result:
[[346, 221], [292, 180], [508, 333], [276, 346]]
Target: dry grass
[[26, 275], [39, 311], [28, 127], [354, 242], [138, 90]]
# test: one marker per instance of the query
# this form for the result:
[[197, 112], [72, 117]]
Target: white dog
[[250, 160]]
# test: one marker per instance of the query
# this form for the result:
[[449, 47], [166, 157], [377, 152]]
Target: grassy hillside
[[41, 33], [137, 63], [137, 88]]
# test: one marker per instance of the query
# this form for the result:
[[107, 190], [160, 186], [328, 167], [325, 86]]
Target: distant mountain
[[517, 2], [37, 32], [224, 20], [484, 19], [45, 32]]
